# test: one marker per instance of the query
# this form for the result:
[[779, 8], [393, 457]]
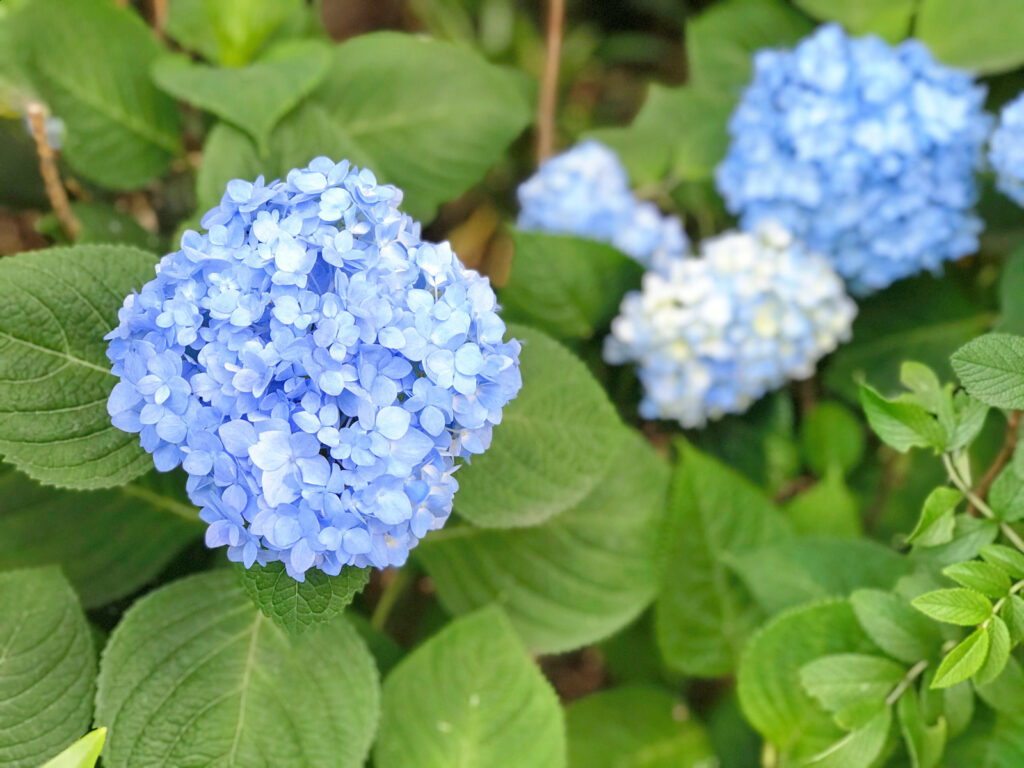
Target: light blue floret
[[316, 368], [585, 192], [865, 151], [1006, 150]]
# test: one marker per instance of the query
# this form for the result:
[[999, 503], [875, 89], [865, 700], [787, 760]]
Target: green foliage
[[47, 667], [954, 606], [888, 18], [894, 626], [831, 436], [902, 425], [964, 660], [100, 224], [925, 742], [83, 753], [982, 42], [221, 677], [229, 32], [842, 679], [488, 705], [828, 508], [937, 523], [992, 369]]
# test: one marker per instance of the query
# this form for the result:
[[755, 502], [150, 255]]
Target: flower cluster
[[717, 332], [316, 368], [1006, 150], [864, 151], [585, 191]]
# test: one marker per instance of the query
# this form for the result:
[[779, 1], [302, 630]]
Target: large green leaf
[[47, 667], [888, 18], [254, 98], [983, 38], [55, 308], [635, 726], [90, 61], [555, 442], [471, 697], [992, 369], [427, 116], [574, 579], [195, 669], [109, 543], [229, 32], [703, 615]]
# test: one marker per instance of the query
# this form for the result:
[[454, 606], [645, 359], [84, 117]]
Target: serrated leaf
[[567, 286], [964, 660], [47, 667], [954, 606], [969, 535], [229, 32], [991, 369], [958, 34], [1012, 613], [1005, 692], [255, 97], [221, 678], [109, 543], [859, 748], [982, 577], [659, 732], [998, 652], [888, 18], [840, 679], [925, 743], [83, 753], [894, 626], [298, 606], [937, 522], [900, 424], [489, 705], [831, 436], [574, 579], [55, 307], [1006, 496], [702, 616], [828, 508], [556, 441], [90, 61]]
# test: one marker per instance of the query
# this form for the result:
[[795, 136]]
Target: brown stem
[[51, 175], [1001, 460], [548, 96], [158, 16]]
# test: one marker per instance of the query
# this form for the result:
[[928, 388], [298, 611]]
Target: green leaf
[[100, 224], [982, 577], [937, 522], [831, 436], [55, 307], [998, 652], [1006, 496], [489, 705], [721, 41], [888, 18], [555, 442], [998, 746], [925, 743], [253, 98], [229, 32], [1005, 692], [969, 535], [964, 660], [194, 668], [1011, 287], [894, 626], [566, 286], [789, 573], [960, 33], [109, 543], [954, 606], [658, 732], [858, 749], [90, 61], [574, 579], [828, 508], [702, 616], [83, 753], [991, 368], [1012, 613], [900, 424], [841, 679], [768, 681], [47, 667], [298, 606]]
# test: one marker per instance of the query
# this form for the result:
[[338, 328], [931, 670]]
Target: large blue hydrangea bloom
[[715, 333], [585, 192], [865, 151], [316, 368], [1006, 150]]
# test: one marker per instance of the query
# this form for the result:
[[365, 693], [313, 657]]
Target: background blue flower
[[1006, 150]]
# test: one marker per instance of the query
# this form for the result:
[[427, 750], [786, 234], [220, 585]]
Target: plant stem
[[51, 175], [389, 598], [548, 97], [999, 603], [1003, 457], [912, 674], [979, 504]]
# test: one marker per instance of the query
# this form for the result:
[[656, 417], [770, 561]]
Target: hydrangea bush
[[357, 409]]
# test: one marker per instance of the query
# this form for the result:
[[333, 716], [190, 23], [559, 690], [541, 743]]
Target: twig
[[979, 504], [548, 97], [389, 597], [912, 674], [51, 175], [1002, 458], [158, 16]]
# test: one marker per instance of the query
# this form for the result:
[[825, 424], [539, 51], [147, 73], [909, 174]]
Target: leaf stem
[[912, 674], [979, 504], [389, 598], [51, 175], [1003, 457], [548, 97], [1017, 587]]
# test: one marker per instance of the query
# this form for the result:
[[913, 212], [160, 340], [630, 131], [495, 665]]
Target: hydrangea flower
[[1006, 150], [316, 368], [585, 192], [864, 151], [717, 332]]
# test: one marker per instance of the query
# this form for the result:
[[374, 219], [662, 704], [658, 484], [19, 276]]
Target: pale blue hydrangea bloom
[[715, 333], [1006, 150], [585, 192], [316, 368], [864, 151]]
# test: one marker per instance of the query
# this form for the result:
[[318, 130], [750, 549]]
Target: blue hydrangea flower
[[716, 333], [1006, 150], [863, 150], [317, 368], [585, 192]]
